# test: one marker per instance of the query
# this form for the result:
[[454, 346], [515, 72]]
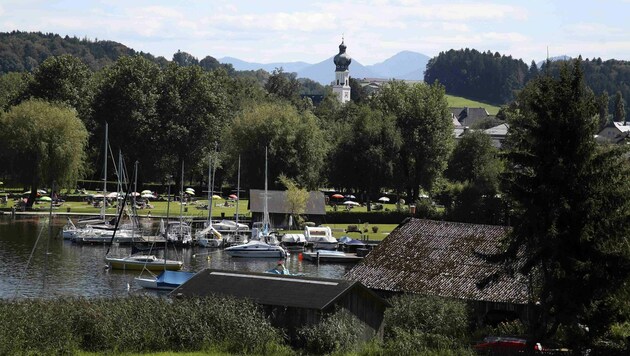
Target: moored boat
[[321, 237], [167, 280], [140, 262], [331, 256]]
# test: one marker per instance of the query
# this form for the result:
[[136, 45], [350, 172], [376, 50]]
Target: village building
[[469, 117], [615, 132], [292, 302], [280, 210], [444, 259]]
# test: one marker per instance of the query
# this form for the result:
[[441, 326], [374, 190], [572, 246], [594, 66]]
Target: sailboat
[[236, 238], [180, 232], [260, 247], [209, 236], [138, 261]]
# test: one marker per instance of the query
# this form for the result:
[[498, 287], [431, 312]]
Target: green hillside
[[458, 101]]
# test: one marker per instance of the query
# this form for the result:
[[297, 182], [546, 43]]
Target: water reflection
[[34, 265]]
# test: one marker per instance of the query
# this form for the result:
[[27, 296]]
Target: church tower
[[341, 85]]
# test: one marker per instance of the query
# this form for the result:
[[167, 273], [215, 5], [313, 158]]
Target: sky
[[310, 31]]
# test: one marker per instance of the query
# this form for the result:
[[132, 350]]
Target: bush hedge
[[135, 324]]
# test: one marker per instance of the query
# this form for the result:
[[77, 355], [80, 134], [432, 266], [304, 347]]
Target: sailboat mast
[[212, 169], [238, 189], [266, 207], [104, 173], [181, 205]]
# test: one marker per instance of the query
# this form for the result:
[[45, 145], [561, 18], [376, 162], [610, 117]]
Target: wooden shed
[[444, 259], [292, 302], [279, 207]]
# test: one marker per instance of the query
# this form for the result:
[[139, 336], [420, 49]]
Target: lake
[[32, 265]]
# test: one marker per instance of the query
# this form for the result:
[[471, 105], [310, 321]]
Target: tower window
[[337, 81]]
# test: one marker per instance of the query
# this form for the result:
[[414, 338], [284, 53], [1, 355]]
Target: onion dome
[[342, 59]]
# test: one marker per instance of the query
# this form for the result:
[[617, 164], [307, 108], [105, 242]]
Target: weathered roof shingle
[[439, 258]]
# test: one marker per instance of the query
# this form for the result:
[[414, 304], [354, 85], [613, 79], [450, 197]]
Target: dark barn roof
[[270, 289], [277, 202], [438, 258], [469, 116]]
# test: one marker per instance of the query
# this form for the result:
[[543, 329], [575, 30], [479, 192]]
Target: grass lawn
[[197, 210], [457, 101]]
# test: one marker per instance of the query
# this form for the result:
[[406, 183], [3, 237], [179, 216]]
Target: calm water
[[60, 268]]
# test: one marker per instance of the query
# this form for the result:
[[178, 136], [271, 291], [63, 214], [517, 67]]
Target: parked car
[[503, 345]]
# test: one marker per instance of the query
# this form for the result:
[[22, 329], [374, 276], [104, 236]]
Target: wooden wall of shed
[[291, 319], [366, 308]]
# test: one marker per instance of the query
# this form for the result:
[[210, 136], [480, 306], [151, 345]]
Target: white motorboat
[[331, 256], [321, 237], [293, 241], [235, 238], [256, 249]]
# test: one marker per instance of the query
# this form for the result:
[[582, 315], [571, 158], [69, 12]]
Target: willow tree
[[571, 204], [44, 143]]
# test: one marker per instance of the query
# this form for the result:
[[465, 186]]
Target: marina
[[32, 265]]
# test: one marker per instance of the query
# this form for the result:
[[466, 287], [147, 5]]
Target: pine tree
[[570, 201], [620, 111]]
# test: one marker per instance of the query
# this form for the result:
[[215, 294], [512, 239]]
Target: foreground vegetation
[[218, 326], [414, 325]]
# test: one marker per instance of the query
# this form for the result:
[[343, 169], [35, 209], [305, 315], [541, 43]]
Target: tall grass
[[135, 324]]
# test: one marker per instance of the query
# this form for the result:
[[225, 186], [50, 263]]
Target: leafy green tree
[[474, 164], [363, 159], [192, 110], [423, 118], [297, 198], [13, 88], [620, 111], [357, 93], [296, 145], [570, 200], [283, 85], [44, 142], [126, 98], [185, 59], [65, 79]]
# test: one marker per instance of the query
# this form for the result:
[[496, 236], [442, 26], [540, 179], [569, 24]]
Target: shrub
[[375, 229], [339, 332], [430, 322]]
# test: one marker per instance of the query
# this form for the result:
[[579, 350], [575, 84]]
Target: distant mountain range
[[404, 65]]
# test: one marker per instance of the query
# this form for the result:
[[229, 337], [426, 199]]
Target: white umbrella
[[146, 191], [383, 199], [147, 196], [112, 195], [351, 196], [135, 194], [350, 202]]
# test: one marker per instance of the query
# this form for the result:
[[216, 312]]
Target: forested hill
[[482, 76], [24, 51], [495, 78]]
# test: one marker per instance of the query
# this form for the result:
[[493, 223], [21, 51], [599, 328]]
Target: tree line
[[162, 116]]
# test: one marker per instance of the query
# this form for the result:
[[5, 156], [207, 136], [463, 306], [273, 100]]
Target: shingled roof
[[270, 289], [438, 258]]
